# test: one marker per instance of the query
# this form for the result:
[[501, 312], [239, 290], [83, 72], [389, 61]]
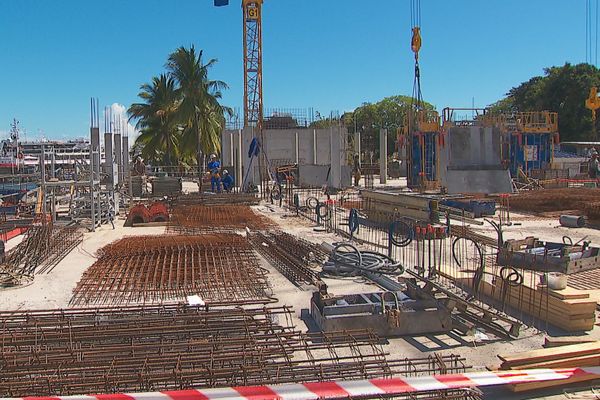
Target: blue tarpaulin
[[219, 3]]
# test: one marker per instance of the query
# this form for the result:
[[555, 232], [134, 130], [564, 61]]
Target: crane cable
[[415, 45]]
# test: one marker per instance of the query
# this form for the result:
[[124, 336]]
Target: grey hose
[[346, 260]]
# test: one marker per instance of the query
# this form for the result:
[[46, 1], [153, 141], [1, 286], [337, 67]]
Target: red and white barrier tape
[[342, 389]]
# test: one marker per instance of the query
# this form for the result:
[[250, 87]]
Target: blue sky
[[324, 54]]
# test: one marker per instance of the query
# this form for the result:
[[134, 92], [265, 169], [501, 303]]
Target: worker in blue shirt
[[227, 181], [214, 165]]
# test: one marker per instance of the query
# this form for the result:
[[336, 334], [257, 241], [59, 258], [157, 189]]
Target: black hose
[[510, 276], [479, 271], [400, 229], [347, 260], [312, 203], [324, 216], [353, 222]]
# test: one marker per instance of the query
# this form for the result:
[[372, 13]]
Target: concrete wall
[[471, 162], [318, 147]]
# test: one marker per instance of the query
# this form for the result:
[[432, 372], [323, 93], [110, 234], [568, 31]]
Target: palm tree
[[157, 119], [199, 111]]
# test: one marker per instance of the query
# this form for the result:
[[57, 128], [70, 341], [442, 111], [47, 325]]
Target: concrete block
[[478, 181]]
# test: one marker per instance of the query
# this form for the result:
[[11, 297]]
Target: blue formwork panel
[[479, 208], [417, 161], [539, 151]]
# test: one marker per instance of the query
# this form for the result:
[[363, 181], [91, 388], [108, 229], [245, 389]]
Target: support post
[[383, 156]]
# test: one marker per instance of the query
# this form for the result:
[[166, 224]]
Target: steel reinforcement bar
[[217, 267], [178, 347]]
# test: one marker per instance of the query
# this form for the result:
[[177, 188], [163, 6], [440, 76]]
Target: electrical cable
[[346, 260]]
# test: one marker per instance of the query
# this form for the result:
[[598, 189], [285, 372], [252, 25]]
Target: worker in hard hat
[[214, 166], [227, 181]]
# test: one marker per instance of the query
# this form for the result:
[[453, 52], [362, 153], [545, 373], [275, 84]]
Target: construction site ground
[[54, 290]]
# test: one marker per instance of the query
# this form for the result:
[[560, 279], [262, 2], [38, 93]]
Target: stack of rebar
[[216, 267], [195, 219], [137, 349], [290, 255], [216, 198], [41, 249]]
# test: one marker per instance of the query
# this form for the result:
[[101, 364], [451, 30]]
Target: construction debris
[[40, 251], [217, 267]]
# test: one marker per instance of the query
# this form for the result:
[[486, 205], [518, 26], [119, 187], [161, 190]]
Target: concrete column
[[335, 176], [231, 148], [297, 148], [238, 160], [356, 143], [108, 159], [95, 147], [383, 156], [125, 157], [118, 160]]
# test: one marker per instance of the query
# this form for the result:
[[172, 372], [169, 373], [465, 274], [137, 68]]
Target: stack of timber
[[570, 310], [575, 355]]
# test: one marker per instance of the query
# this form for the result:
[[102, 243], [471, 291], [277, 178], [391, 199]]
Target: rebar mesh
[[217, 267], [68, 352]]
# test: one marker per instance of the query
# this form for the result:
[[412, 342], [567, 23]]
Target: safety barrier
[[357, 388]]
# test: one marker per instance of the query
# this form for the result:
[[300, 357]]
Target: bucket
[[557, 281]]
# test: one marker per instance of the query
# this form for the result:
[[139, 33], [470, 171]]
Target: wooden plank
[[523, 387], [556, 353], [566, 294], [533, 298], [592, 360], [562, 341]]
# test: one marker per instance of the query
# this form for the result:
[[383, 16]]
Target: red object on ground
[[138, 214], [159, 212], [6, 236]]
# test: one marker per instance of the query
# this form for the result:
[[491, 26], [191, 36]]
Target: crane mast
[[253, 95]]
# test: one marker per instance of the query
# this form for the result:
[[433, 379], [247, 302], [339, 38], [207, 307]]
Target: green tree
[[180, 117], [200, 111], [388, 113], [562, 90], [156, 120]]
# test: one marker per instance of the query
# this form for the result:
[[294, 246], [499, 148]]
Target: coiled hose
[[400, 233], [346, 260], [323, 215]]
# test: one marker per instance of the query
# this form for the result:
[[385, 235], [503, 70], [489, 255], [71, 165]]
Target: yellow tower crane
[[253, 95]]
